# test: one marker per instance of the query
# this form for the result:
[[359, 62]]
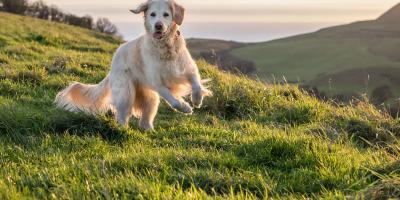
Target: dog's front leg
[[179, 105], [197, 91]]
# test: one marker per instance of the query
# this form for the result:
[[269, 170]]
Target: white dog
[[156, 64]]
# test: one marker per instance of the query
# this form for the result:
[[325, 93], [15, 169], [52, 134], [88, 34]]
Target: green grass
[[250, 140]]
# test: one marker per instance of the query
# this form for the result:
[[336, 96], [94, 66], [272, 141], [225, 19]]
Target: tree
[[15, 6], [84, 22], [56, 14], [72, 20], [104, 25], [39, 9], [87, 22]]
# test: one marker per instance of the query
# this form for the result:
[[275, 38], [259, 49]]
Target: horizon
[[238, 20]]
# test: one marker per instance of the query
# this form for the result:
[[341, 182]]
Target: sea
[[240, 32]]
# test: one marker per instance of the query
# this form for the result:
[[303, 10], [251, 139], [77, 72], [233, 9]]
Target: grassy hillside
[[348, 60], [201, 46], [250, 140], [217, 52]]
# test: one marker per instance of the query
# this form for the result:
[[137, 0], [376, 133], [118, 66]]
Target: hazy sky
[[243, 20]]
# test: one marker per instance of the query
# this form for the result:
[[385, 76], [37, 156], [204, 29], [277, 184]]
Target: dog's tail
[[92, 99]]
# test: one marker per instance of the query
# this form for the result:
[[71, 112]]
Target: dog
[[157, 64]]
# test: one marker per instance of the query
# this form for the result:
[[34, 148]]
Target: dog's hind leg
[[123, 99], [149, 102]]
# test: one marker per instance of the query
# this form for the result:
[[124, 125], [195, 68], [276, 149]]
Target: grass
[[250, 141]]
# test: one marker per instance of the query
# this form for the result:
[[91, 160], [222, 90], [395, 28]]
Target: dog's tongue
[[158, 35]]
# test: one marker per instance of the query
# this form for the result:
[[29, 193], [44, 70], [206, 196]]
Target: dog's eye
[[166, 14], [153, 14]]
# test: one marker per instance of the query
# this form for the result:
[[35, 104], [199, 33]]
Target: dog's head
[[160, 16]]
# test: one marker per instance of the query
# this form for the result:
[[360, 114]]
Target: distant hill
[[218, 53], [391, 16], [341, 61], [200, 46]]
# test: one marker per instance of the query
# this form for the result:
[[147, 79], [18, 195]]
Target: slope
[[250, 140]]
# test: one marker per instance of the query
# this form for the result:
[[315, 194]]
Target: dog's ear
[[179, 13], [142, 8]]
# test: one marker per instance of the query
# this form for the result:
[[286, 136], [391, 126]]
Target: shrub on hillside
[[84, 22], [56, 14], [15, 6], [103, 25], [39, 10]]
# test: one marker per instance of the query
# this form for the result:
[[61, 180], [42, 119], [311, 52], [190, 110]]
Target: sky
[[239, 20]]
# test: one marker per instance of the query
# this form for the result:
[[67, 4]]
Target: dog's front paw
[[197, 98], [183, 107]]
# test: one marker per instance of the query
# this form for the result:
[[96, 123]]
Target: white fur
[[142, 71]]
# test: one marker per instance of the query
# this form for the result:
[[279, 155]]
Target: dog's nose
[[159, 26]]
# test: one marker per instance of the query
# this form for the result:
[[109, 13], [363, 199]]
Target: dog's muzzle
[[159, 31]]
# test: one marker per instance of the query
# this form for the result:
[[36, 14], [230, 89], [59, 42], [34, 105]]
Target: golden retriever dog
[[155, 65]]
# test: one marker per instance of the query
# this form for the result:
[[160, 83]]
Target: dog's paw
[[197, 99], [183, 107], [146, 126]]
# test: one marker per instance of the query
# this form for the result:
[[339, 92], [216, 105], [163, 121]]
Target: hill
[[346, 60], [250, 141], [391, 16], [218, 53]]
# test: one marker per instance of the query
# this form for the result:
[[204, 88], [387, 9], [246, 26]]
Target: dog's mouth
[[158, 35]]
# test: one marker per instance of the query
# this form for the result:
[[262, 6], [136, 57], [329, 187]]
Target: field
[[250, 141]]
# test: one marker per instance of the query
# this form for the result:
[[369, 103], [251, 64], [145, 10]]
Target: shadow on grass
[[85, 125], [17, 121], [370, 133], [386, 183]]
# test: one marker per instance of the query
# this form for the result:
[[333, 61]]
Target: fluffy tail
[[92, 99]]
